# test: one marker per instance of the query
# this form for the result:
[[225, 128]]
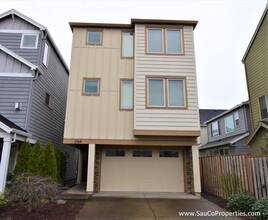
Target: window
[[224, 151], [91, 86], [29, 41], [142, 153], [229, 124], [168, 154], [45, 57], [215, 129], [115, 153], [94, 37], [49, 100], [263, 103], [166, 93], [127, 44], [164, 40], [236, 119], [126, 96]]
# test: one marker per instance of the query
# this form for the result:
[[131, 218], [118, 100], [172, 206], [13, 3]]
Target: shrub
[[241, 202], [3, 199], [22, 158], [33, 164], [262, 207], [230, 184], [61, 164], [31, 190]]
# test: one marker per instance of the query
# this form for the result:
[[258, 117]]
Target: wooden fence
[[222, 175]]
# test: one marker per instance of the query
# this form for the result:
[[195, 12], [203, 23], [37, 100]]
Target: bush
[[33, 164], [61, 164], [22, 158], [3, 199], [31, 190], [241, 202], [230, 184], [262, 207]]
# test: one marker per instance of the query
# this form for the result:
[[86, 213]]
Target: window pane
[[45, 58], [91, 86], [115, 153], [142, 153], [155, 41], [229, 123], [236, 118], [263, 107], [168, 154], [29, 41], [126, 94], [94, 37], [215, 129], [174, 41], [175, 93], [127, 44], [156, 92]]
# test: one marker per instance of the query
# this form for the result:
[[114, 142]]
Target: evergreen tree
[[34, 159], [22, 159]]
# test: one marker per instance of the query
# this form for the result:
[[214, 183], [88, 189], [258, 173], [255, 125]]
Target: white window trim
[[46, 54], [36, 41], [164, 90], [236, 118], [121, 85], [95, 43], [225, 124], [184, 95], [166, 41], [147, 40], [211, 127]]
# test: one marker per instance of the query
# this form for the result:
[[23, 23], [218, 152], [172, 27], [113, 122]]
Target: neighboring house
[[256, 67], [205, 115], [228, 132], [132, 106], [33, 91]]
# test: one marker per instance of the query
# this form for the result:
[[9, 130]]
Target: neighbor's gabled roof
[[13, 12], [17, 57], [262, 124], [133, 22], [255, 34]]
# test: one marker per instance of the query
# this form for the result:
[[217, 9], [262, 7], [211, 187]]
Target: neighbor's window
[[156, 93], [224, 151], [94, 37], [263, 102], [127, 44], [91, 86], [45, 57], [168, 153], [229, 124], [115, 153], [126, 96], [29, 41], [215, 128], [164, 40], [236, 119], [48, 100], [142, 153]]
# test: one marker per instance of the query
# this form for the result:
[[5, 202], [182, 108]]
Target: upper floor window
[[236, 119], [91, 86], [49, 100], [126, 96], [164, 41], [229, 123], [45, 57], [215, 128], [29, 41], [166, 93], [127, 44], [94, 37], [263, 103]]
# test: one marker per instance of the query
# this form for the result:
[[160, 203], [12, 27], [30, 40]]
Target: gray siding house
[[33, 91], [228, 132]]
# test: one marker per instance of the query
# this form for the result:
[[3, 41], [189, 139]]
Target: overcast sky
[[222, 35]]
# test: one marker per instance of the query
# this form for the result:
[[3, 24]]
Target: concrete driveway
[[146, 209]]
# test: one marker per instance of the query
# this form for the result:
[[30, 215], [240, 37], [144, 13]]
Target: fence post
[[248, 168]]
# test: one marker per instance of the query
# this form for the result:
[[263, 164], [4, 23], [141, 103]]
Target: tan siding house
[[132, 106], [256, 67]]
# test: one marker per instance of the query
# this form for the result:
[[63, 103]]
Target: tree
[[22, 158], [35, 159]]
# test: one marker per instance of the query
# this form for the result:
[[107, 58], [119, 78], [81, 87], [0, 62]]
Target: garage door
[[142, 170]]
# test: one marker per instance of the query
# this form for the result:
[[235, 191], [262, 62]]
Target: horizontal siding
[[159, 65], [257, 70], [15, 90], [16, 24]]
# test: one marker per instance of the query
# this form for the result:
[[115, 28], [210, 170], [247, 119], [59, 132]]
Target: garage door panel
[[147, 174]]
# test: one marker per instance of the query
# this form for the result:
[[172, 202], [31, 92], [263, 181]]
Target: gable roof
[[17, 57], [206, 114], [228, 111], [13, 12], [263, 124], [255, 33]]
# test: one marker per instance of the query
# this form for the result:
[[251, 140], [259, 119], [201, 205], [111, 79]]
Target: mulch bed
[[51, 211]]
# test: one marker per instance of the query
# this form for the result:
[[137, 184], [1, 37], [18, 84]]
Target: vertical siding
[[15, 90], [98, 117], [184, 66], [257, 70], [48, 123]]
